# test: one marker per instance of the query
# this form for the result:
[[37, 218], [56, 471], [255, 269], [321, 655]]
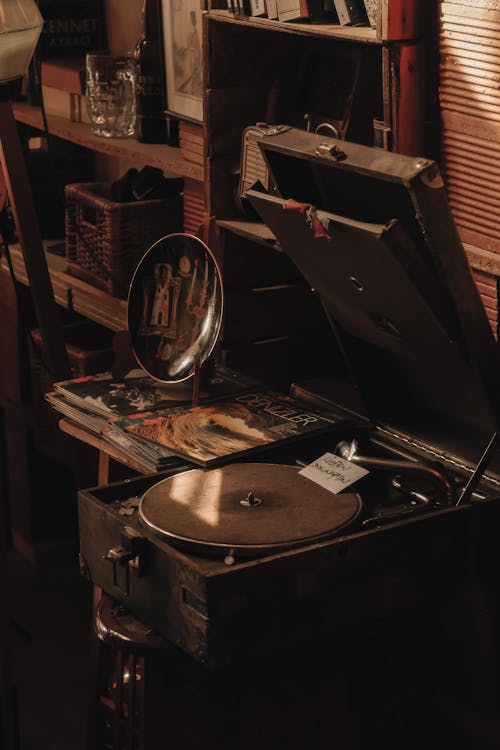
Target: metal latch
[[325, 148], [129, 558]]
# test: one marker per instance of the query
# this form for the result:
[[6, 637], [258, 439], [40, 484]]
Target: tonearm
[[430, 472]]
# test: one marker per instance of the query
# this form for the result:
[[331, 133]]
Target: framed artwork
[[182, 40]]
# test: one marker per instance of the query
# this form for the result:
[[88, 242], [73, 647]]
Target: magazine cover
[[104, 395], [229, 428]]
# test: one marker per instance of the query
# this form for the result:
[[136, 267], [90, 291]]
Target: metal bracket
[[130, 556], [478, 472]]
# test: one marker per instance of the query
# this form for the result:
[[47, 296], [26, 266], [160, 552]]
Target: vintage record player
[[252, 557]]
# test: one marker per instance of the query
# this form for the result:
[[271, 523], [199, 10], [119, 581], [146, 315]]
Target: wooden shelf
[[165, 157], [76, 295], [364, 34]]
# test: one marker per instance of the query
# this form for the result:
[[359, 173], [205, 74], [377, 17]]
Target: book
[[272, 9], [351, 12], [64, 74], [381, 134], [62, 103], [371, 7], [108, 397], [257, 8], [357, 12], [230, 428], [290, 10]]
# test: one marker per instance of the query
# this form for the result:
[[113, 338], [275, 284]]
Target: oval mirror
[[175, 306]]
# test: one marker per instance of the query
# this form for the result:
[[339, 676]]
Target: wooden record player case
[[371, 232]]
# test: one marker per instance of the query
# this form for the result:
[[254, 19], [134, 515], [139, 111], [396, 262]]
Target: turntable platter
[[252, 509]]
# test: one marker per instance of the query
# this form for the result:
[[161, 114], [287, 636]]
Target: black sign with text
[[71, 28]]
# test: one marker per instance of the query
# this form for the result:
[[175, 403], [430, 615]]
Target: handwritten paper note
[[333, 472]]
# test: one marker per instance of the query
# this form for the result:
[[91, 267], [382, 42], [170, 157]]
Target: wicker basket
[[105, 240]]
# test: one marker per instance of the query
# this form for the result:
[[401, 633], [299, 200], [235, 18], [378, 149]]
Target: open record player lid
[[391, 271], [250, 509]]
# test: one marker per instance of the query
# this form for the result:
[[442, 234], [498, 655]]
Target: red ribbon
[[310, 212]]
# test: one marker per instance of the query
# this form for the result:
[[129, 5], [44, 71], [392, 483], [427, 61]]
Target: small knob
[[251, 501]]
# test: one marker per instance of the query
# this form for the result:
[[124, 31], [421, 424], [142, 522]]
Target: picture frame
[[182, 45]]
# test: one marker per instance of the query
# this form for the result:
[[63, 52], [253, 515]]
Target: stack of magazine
[[102, 404], [157, 424]]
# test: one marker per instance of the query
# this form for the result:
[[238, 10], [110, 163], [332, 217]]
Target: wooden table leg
[[103, 469], [96, 647]]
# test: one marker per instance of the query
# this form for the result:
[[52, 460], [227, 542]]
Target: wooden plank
[[455, 156], [475, 200], [483, 260], [469, 11], [470, 187], [483, 5], [470, 52], [485, 39], [481, 168], [485, 290], [74, 294], [483, 26], [457, 72], [482, 218], [469, 178], [469, 85], [464, 89], [167, 158], [470, 107], [471, 125], [480, 235], [454, 140]]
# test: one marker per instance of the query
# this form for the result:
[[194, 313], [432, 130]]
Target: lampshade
[[20, 27]]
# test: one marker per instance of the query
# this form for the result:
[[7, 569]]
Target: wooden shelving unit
[[167, 158], [363, 34], [76, 295]]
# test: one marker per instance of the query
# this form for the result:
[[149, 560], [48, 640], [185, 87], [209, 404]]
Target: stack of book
[[192, 142], [63, 89], [343, 12]]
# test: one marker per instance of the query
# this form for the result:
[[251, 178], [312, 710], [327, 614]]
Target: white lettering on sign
[[333, 472], [277, 409]]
